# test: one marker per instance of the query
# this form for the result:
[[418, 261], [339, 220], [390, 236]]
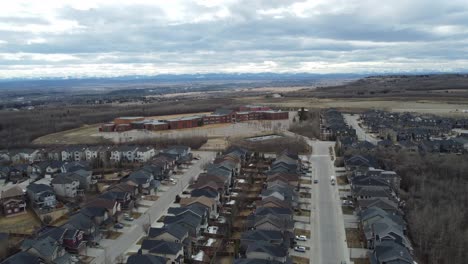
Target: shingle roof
[[161, 247], [175, 230], [23, 258], [37, 188], [145, 259], [262, 235], [272, 250]]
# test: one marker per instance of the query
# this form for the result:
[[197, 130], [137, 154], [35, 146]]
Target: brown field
[[447, 108], [23, 224]]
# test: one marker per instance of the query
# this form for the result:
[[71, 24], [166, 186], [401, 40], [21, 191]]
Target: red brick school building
[[220, 116]]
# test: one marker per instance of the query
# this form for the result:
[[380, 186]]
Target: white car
[[301, 238], [300, 249]]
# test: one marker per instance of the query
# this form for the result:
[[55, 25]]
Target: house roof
[[38, 188], [255, 261], [145, 259], [270, 249], [391, 252], [80, 221], [273, 210], [198, 210], [23, 258], [206, 192], [175, 230], [11, 192], [64, 178], [273, 200], [104, 203], [262, 235], [384, 204], [161, 247], [93, 211], [186, 218], [46, 247], [203, 200]]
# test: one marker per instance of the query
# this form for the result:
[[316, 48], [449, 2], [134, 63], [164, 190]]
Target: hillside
[[414, 86]]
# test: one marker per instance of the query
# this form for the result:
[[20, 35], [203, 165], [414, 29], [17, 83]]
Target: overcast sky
[[116, 37]]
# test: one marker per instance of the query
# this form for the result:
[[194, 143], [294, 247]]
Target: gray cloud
[[331, 36]]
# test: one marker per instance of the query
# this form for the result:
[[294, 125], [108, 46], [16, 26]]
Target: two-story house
[[41, 196]]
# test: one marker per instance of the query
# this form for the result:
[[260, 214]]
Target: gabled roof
[[80, 221], [161, 247], [273, 210], [175, 230], [56, 233], [273, 200], [197, 210], [145, 259], [255, 261], [11, 192], [391, 252], [23, 258], [93, 211], [186, 218], [38, 188], [262, 235], [65, 178], [270, 249], [46, 247], [206, 192], [202, 200]]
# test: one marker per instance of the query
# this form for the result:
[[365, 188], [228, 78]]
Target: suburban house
[[390, 252], [13, 201], [23, 257], [66, 185], [111, 206], [73, 153], [172, 233], [141, 258], [205, 202], [273, 237], [86, 224], [144, 154], [266, 251], [41, 196], [24, 155], [173, 252], [144, 180], [47, 249]]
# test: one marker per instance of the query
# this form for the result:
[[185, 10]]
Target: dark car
[[118, 226]]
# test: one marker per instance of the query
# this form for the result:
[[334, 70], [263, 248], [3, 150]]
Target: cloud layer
[[113, 38]]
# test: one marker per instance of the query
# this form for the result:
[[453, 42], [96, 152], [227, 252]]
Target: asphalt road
[[328, 238], [118, 247], [352, 120]]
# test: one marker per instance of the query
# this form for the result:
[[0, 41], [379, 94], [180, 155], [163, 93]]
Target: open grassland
[[439, 107]]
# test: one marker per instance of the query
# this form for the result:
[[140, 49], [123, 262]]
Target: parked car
[[118, 226], [301, 238], [315, 181], [299, 249], [129, 218]]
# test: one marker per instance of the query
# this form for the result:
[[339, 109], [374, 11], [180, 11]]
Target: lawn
[[302, 232], [361, 260], [347, 210], [304, 195], [353, 238], [141, 240], [113, 234], [23, 224], [342, 180], [302, 212], [136, 215], [300, 260], [306, 181]]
